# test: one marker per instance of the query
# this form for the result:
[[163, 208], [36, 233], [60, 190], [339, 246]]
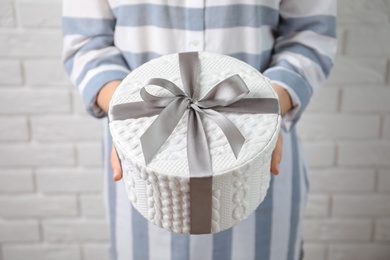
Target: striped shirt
[[292, 42]]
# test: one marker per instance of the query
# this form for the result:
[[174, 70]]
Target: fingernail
[[115, 174], [277, 169]]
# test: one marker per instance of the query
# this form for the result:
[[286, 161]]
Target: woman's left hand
[[285, 106], [277, 155]]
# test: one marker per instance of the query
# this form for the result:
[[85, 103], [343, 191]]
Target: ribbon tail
[[199, 160], [199, 163], [161, 128], [233, 135], [133, 110], [252, 106]]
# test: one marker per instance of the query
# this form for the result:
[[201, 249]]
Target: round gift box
[[163, 190]]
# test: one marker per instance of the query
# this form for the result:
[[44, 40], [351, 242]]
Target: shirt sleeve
[[90, 56], [304, 51]]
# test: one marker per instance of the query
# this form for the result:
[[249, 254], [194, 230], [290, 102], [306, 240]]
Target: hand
[[285, 106], [277, 155], [103, 101], [115, 164]]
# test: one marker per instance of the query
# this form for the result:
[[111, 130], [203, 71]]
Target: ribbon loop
[[225, 93]]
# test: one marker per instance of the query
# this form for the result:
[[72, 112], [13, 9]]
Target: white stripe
[[83, 58], [297, 8], [243, 246], [124, 239], [201, 247], [150, 39], [86, 9], [72, 43], [322, 44], [159, 242], [281, 210], [92, 73], [312, 70], [163, 41], [269, 3], [179, 3], [196, 4], [233, 40]]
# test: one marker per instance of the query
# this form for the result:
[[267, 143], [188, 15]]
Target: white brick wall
[[51, 205]]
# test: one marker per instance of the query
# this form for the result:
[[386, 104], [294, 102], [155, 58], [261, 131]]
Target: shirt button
[[195, 43]]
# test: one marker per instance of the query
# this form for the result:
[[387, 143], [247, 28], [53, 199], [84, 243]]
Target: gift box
[[194, 133]]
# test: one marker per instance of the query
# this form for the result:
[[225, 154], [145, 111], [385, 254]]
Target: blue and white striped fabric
[[291, 41]]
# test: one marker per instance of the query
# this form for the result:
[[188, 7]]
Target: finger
[[115, 164], [277, 155]]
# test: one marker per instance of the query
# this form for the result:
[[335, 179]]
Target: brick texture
[[69, 181], [51, 199], [25, 101], [382, 230], [337, 229], [47, 72], [96, 252], [14, 129], [359, 252], [342, 180], [16, 180], [41, 252], [10, 72], [75, 231], [7, 15], [317, 205], [26, 231], [40, 14]]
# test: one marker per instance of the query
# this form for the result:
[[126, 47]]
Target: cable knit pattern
[[160, 191]]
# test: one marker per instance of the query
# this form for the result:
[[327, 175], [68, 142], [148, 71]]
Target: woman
[[291, 42]]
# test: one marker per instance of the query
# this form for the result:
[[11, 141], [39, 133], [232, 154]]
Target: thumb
[[115, 164], [277, 155]]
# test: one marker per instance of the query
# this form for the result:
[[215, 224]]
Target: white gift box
[[189, 183]]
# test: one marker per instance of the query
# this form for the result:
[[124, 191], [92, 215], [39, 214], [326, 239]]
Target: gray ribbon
[[226, 96]]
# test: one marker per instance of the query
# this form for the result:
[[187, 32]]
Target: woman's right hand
[[115, 164], [103, 101]]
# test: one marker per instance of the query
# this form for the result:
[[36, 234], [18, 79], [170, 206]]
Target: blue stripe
[[258, 61], [295, 197], [295, 81], [321, 24], [116, 59], [140, 235], [88, 26], [95, 43], [263, 225], [240, 15], [137, 59], [222, 245], [162, 16], [323, 61], [175, 17], [93, 87], [180, 247], [111, 196]]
